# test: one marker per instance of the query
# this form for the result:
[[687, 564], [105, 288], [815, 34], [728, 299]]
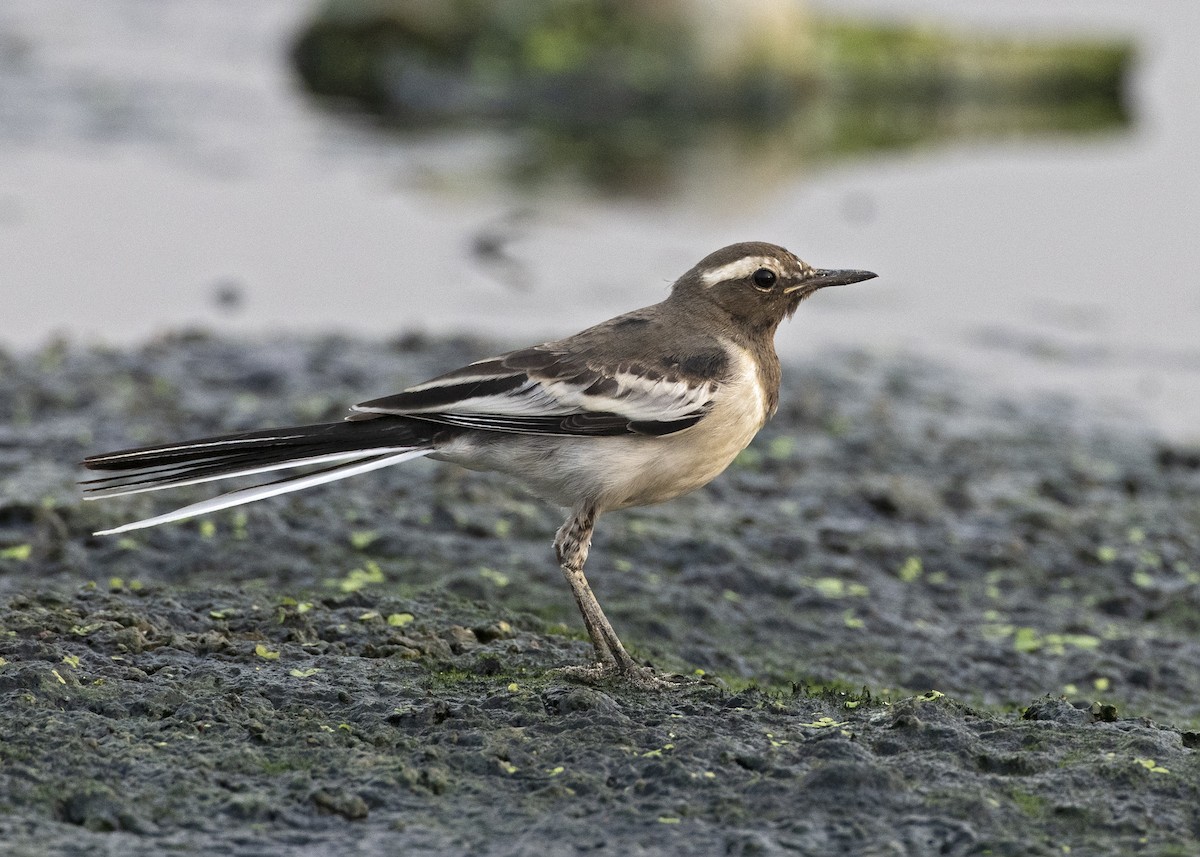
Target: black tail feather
[[327, 437], [205, 459]]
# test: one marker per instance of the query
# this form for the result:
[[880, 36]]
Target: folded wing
[[544, 390]]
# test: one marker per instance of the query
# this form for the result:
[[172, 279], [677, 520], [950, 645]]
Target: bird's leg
[[571, 544]]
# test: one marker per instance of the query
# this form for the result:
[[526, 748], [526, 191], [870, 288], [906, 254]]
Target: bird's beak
[[821, 278]]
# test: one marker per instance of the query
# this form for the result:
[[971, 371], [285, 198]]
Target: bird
[[636, 410]]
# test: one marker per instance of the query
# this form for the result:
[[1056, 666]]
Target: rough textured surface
[[370, 666]]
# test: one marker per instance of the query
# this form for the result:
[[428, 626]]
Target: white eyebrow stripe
[[743, 267]]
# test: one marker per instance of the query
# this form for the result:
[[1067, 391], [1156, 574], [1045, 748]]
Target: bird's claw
[[639, 677]]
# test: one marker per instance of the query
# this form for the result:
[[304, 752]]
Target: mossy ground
[[370, 667]]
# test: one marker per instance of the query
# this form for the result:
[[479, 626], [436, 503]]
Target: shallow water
[[159, 168]]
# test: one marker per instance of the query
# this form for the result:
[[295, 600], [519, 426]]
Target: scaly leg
[[571, 544]]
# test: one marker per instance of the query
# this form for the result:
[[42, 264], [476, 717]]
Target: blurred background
[[1022, 174]]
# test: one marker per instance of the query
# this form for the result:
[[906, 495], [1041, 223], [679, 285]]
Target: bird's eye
[[764, 278]]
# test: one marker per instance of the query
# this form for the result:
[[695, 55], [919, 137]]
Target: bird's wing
[[550, 390]]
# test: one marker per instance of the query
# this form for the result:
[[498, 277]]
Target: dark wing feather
[[553, 390]]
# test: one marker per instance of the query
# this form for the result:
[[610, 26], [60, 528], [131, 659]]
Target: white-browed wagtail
[[636, 410]]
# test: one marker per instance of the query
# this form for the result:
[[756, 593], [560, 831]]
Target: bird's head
[[757, 284]]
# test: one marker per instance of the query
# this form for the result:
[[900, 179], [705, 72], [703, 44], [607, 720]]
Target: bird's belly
[[666, 467], [608, 472], [663, 468], [627, 470]]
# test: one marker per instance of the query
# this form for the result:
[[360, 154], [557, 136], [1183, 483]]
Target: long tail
[[348, 448]]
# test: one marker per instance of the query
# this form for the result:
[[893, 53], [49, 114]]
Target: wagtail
[[639, 409]]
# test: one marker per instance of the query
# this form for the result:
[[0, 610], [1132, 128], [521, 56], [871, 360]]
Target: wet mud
[[916, 620]]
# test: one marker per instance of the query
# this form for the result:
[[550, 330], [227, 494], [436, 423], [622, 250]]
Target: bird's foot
[[632, 674]]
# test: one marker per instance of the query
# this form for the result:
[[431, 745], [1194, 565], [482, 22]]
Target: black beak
[[823, 278]]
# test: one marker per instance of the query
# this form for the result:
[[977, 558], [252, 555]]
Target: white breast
[[652, 470]]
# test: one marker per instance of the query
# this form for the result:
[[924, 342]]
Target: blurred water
[[159, 168]]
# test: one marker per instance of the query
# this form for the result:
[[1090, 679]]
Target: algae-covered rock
[[589, 60], [577, 61], [926, 622], [620, 89]]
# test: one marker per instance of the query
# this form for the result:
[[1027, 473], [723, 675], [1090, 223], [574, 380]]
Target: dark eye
[[764, 278]]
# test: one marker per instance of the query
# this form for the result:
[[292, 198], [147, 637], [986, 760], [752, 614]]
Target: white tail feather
[[353, 455], [261, 492]]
